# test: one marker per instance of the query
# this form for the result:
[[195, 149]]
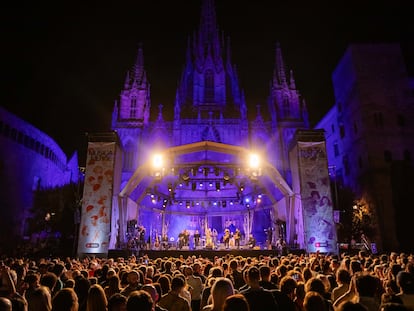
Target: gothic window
[[209, 86], [347, 168], [210, 134], [132, 112], [342, 130], [129, 157]]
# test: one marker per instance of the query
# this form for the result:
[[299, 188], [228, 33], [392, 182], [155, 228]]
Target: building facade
[[369, 135], [210, 191], [30, 161]]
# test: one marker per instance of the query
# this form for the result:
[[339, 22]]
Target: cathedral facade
[[209, 188]]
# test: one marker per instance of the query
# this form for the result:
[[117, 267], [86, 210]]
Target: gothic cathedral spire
[[134, 104], [209, 85], [285, 102]]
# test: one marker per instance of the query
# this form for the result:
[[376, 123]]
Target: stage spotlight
[[217, 186], [226, 178], [170, 187], [157, 161], [187, 204], [241, 187], [254, 160]]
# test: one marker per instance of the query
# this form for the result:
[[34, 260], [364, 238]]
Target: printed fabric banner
[[97, 198], [319, 226]]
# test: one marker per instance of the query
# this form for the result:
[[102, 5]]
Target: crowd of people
[[307, 282]]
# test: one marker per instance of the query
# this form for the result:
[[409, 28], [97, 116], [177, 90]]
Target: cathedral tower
[[287, 111], [131, 114], [208, 92]]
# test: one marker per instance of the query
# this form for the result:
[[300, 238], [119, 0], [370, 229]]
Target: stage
[[205, 253]]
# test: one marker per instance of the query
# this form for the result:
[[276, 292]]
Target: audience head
[[315, 285], [117, 302], [222, 288], [5, 304], [40, 299], [177, 284], [287, 285], [343, 276], [150, 289], [139, 300], [351, 306], [253, 274], [405, 281], [236, 302], [314, 302], [96, 300], [366, 285], [65, 300]]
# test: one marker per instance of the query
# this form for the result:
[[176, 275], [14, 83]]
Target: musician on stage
[[237, 237], [142, 244], [164, 241], [196, 238], [252, 241], [226, 238], [181, 239], [214, 235], [186, 237], [281, 246], [209, 238], [269, 237]]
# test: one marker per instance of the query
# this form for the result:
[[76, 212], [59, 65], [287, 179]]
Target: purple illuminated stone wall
[[30, 160]]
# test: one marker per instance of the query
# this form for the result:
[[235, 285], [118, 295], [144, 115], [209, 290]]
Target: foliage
[[53, 209]]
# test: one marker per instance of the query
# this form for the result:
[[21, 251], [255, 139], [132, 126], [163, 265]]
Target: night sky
[[64, 63]]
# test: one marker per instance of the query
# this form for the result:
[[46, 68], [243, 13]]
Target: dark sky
[[64, 62]]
